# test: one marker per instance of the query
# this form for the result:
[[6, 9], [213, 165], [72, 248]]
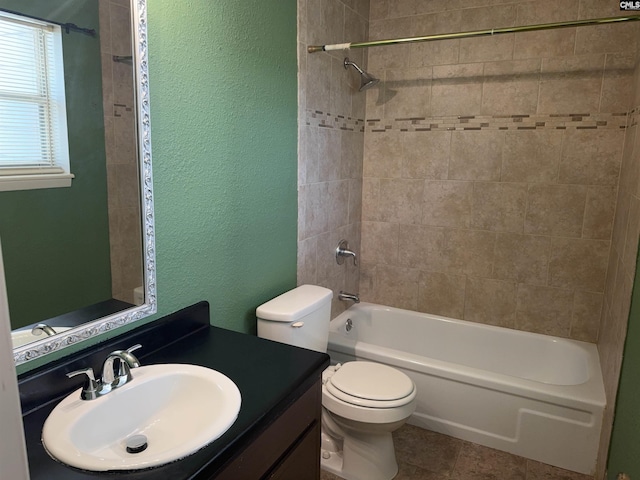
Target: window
[[34, 149]]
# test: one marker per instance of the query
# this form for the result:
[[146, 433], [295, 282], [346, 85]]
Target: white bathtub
[[533, 395]]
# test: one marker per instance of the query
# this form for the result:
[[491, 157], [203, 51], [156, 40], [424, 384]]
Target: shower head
[[366, 79]]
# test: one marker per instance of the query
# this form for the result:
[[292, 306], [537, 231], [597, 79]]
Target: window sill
[[33, 182]]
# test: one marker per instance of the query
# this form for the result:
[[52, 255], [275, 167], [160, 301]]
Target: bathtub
[[537, 396]]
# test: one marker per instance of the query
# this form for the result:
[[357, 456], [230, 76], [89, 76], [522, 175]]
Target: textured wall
[[223, 102], [330, 130], [491, 165]]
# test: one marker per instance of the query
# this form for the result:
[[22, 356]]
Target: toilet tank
[[298, 317]]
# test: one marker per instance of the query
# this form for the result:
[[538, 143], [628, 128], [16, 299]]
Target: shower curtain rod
[[476, 33]]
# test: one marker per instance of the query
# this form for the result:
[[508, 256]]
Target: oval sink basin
[[178, 408]]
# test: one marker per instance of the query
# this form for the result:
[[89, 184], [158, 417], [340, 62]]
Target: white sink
[[22, 337], [178, 408]]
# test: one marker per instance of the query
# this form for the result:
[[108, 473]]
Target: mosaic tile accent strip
[[316, 118], [500, 122]]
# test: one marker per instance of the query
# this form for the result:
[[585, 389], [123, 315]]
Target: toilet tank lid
[[294, 304]]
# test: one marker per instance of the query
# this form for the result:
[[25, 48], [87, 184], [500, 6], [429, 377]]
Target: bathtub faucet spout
[[354, 297]]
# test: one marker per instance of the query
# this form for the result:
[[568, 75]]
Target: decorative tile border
[[500, 122], [579, 121], [316, 118]]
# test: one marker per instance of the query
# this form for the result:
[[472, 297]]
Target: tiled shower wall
[[123, 183], [622, 264], [491, 165], [331, 136]]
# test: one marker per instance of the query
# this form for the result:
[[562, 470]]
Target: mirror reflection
[[74, 254]]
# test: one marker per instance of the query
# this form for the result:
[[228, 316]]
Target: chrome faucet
[[124, 360], [354, 297], [42, 327], [342, 251]]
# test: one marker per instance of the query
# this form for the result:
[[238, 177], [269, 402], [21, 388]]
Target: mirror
[[81, 259]]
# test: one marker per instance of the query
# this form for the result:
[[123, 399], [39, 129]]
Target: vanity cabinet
[[289, 448], [276, 434]]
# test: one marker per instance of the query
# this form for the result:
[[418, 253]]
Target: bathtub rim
[[587, 395]]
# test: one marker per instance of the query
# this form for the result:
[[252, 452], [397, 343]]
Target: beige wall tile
[[476, 155], [437, 6], [550, 43], [499, 206], [469, 252], [441, 294], [412, 87], [381, 155], [457, 89], [370, 199], [555, 209], [400, 200], [447, 203], [379, 243], [314, 218], [531, 156], [599, 212], [352, 151], [598, 8], [338, 203], [426, 154], [544, 310], [620, 222], [355, 200], [397, 286], [606, 38], [591, 157], [488, 17], [378, 10], [571, 84], [630, 168], [487, 49], [325, 21], [510, 87], [585, 319], [491, 302], [547, 11], [367, 284], [522, 258], [578, 263], [318, 82], [329, 154], [617, 83], [422, 247], [440, 52], [307, 261]]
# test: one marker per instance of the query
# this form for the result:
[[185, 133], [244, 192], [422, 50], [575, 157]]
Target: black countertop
[[269, 375]]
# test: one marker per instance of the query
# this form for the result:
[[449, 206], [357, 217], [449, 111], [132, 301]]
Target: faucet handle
[[90, 388]]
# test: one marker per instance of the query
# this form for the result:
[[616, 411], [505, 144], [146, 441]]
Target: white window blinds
[[33, 125]]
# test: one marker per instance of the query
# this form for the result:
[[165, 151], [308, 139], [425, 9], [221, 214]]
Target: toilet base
[[362, 457]]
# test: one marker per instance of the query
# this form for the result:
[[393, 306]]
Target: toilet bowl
[[362, 402]]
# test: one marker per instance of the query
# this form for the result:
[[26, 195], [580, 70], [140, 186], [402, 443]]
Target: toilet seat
[[368, 384]]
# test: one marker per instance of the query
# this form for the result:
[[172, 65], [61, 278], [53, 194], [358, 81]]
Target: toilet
[[362, 402]]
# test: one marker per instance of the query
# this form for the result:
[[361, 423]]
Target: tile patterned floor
[[425, 455]]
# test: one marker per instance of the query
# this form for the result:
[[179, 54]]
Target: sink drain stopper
[[136, 444]]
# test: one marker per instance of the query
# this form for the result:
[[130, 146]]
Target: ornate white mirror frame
[[90, 329]]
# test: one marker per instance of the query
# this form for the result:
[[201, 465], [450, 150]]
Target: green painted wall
[[223, 115], [56, 241], [624, 451]]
